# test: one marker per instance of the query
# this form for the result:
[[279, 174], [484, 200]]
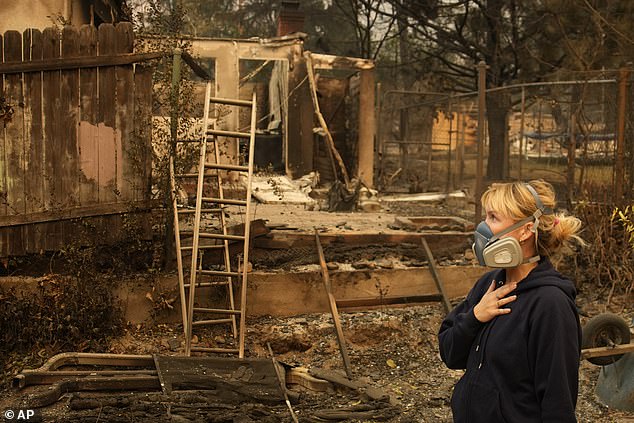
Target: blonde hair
[[555, 232]]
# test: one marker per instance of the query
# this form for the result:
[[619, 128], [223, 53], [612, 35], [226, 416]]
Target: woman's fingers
[[504, 301], [493, 302], [504, 290]]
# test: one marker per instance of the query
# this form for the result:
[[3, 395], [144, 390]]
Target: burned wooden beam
[[232, 380], [435, 275], [77, 62], [364, 389], [333, 307], [386, 300], [443, 243], [193, 64], [116, 383]]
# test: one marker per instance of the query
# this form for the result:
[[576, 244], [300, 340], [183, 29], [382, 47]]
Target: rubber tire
[[602, 327]]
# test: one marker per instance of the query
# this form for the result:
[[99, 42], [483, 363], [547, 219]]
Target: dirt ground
[[392, 349]]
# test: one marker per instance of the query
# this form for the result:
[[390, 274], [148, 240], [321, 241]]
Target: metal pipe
[[510, 87], [450, 112], [619, 165], [571, 158], [482, 67]]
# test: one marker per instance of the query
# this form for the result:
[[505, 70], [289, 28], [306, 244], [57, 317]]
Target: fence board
[[143, 127], [88, 134], [14, 128], [69, 103], [34, 139], [4, 242], [79, 139], [33, 135], [50, 101], [127, 179], [3, 160], [106, 117]]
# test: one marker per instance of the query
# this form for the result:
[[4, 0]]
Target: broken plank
[[300, 376], [281, 376], [235, 379], [386, 300], [434, 273], [333, 307], [363, 388], [118, 383], [361, 412]]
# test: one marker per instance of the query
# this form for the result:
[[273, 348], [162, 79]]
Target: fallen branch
[[320, 117]]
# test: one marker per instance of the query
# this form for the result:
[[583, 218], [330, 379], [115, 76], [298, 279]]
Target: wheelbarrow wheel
[[605, 330]]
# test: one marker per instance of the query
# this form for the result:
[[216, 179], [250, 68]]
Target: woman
[[517, 333]]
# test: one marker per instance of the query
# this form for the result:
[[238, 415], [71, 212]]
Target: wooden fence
[[76, 137]]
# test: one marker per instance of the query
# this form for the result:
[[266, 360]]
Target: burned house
[[97, 174]]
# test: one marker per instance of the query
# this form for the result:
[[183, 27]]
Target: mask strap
[[511, 228], [541, 210], [532, 259]]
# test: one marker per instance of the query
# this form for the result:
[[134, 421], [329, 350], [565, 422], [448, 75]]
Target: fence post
[[459, 140], [367, 129], [449, 185], [168, 248], [572, 146], [521, 140], [619, 165], [176, 79], [482, 68]]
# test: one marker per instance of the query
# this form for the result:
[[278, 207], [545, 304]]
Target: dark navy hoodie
[[522, 366]]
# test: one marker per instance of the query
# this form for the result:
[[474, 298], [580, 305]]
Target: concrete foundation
[[288, 294]]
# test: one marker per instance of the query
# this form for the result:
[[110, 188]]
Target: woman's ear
[[530, 227]]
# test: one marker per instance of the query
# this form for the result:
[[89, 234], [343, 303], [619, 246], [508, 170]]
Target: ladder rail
[[226, 253], [199, 194], [177, 244], [247, 230]]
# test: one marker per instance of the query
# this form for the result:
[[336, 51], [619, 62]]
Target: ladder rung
[[221, 236], [226, 167], [188, 141], [230, 101], [211, 322], [216, 350], [224, 201], [218, 273], [192, 211], [234, 134], [204, 247], [207, 284], [216, 310], [194, 175], [187, 233]]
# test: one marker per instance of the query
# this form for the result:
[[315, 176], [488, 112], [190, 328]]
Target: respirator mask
[[494, 251]]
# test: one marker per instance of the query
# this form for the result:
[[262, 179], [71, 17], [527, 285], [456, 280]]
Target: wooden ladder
[[213, 208]]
